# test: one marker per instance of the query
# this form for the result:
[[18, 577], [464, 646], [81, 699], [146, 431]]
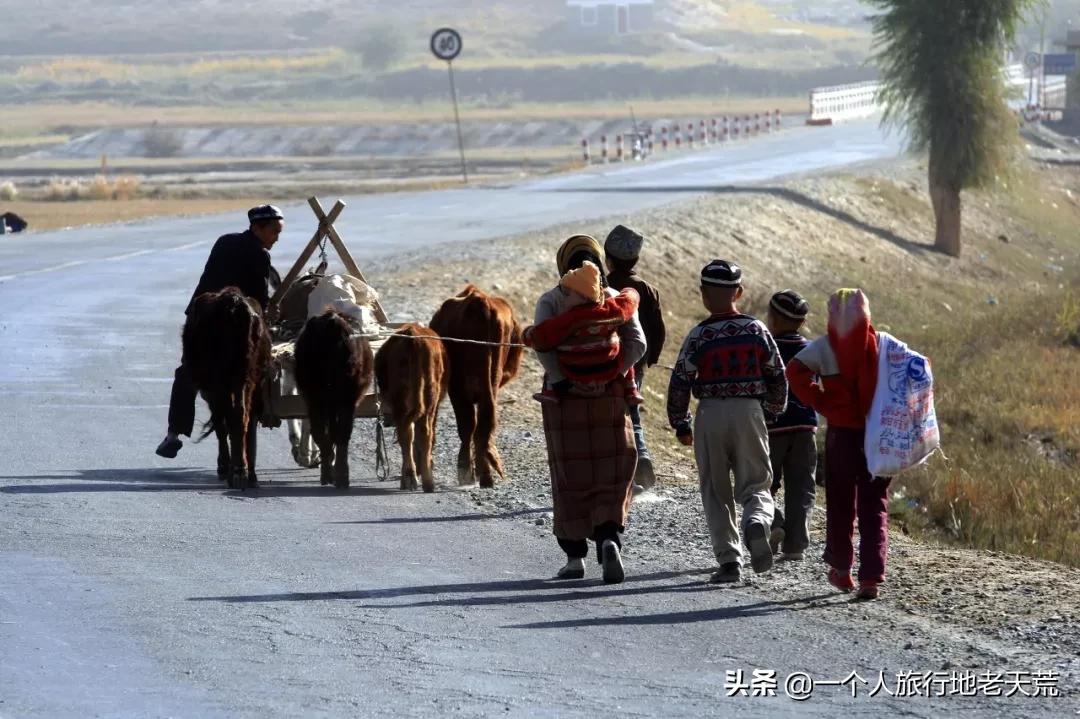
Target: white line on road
[[111, 258]]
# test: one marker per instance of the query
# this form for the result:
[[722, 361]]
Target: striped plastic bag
[[901, 428]]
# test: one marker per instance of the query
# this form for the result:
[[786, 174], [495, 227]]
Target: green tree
[[941, 70]]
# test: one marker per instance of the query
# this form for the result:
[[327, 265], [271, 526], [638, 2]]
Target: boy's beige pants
[[730, 437]]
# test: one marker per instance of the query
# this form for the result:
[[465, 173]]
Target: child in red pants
[[837, 376]]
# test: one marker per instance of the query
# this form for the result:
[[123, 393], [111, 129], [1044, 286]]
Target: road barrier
[[703, 132], [829, 105]]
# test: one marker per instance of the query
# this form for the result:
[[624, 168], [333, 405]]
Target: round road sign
[[446, 44], [1032, 61]]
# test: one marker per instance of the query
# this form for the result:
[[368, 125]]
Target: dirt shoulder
[[871, 228]]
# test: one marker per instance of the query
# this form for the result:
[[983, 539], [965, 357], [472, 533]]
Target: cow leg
[[237, 450], [342, 432], [303, 448], [484, 453], [309, 453], [465, 413], [320, 431], [422, 447], [221, 431], [252, 449], [405, 436]]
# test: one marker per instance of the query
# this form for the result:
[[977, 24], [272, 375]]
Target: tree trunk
[[946, 200]]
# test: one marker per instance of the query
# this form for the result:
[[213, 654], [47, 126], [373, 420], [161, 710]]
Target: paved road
[[134, 586]]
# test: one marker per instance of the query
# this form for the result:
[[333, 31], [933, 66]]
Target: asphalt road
[[137, 587]]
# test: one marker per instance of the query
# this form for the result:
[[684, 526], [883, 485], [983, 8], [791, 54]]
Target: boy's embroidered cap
[[790, 304], [623, 243], [721, 273]]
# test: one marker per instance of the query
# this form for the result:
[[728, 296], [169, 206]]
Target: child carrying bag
[[901, 428]]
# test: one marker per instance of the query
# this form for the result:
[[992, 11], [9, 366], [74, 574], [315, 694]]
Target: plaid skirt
[[592, 455]]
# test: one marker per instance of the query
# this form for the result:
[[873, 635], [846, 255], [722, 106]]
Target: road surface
[[137, 587]]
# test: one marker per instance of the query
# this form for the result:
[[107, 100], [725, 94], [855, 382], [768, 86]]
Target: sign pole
[[446, 45], [457, 121]]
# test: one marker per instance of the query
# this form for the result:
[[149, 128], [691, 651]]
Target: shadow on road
[[782, 193], [515, 585], [700, 615], [301, 483], [458, 518]]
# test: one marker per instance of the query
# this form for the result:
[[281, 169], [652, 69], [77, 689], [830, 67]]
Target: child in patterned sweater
[[731, 364]]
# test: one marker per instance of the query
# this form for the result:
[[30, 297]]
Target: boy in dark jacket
[[792, 445], [622, 249]]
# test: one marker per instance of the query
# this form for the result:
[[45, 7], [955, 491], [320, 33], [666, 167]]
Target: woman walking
[[590, 439]]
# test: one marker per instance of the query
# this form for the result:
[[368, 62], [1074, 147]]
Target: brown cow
[[476, 375], [226, 351], [333, 370], [412, 376]]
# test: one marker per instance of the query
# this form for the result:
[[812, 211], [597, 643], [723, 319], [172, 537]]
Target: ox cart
[[288, 312]]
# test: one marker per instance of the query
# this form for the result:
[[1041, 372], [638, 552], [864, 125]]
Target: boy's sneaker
[[867, 590], [547, 396], [761, 554], [792, 556], [613, 568], [841, 581], [574, 569], [728, 573]]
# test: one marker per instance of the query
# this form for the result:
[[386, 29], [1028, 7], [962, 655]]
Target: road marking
[[111, 258]]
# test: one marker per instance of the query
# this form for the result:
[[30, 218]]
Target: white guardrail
[[830, 105], [843, 102]]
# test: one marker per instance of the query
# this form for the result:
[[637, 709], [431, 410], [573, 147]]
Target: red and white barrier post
[[585, 150], [603, 149], [779, 117], [678, 137], [663, 138], [690, 135], [703, 133], [619, 148], [757, 123], [725, 129]]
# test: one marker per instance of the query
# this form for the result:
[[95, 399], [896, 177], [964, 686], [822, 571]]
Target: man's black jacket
[[237, 260]]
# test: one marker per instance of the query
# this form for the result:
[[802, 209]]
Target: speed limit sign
[[1032, 61], [446, 44]]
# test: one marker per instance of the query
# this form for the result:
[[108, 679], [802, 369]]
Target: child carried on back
[[584, 335]]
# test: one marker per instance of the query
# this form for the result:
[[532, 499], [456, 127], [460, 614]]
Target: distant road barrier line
[[829, 105]]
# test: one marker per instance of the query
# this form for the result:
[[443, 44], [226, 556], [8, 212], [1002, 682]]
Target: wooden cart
[[285, 405]]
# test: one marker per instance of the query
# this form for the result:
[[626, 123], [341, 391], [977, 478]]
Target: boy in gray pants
[[731, 364], [792, 448]]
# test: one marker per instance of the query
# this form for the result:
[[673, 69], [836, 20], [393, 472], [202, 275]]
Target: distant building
[[609, 17]]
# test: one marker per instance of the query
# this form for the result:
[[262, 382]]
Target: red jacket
[[847, 368], [585, 338]]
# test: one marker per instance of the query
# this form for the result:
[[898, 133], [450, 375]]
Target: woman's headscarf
[[854, 342], [577, 250]]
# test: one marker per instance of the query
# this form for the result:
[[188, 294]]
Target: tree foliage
[[941, 68]]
